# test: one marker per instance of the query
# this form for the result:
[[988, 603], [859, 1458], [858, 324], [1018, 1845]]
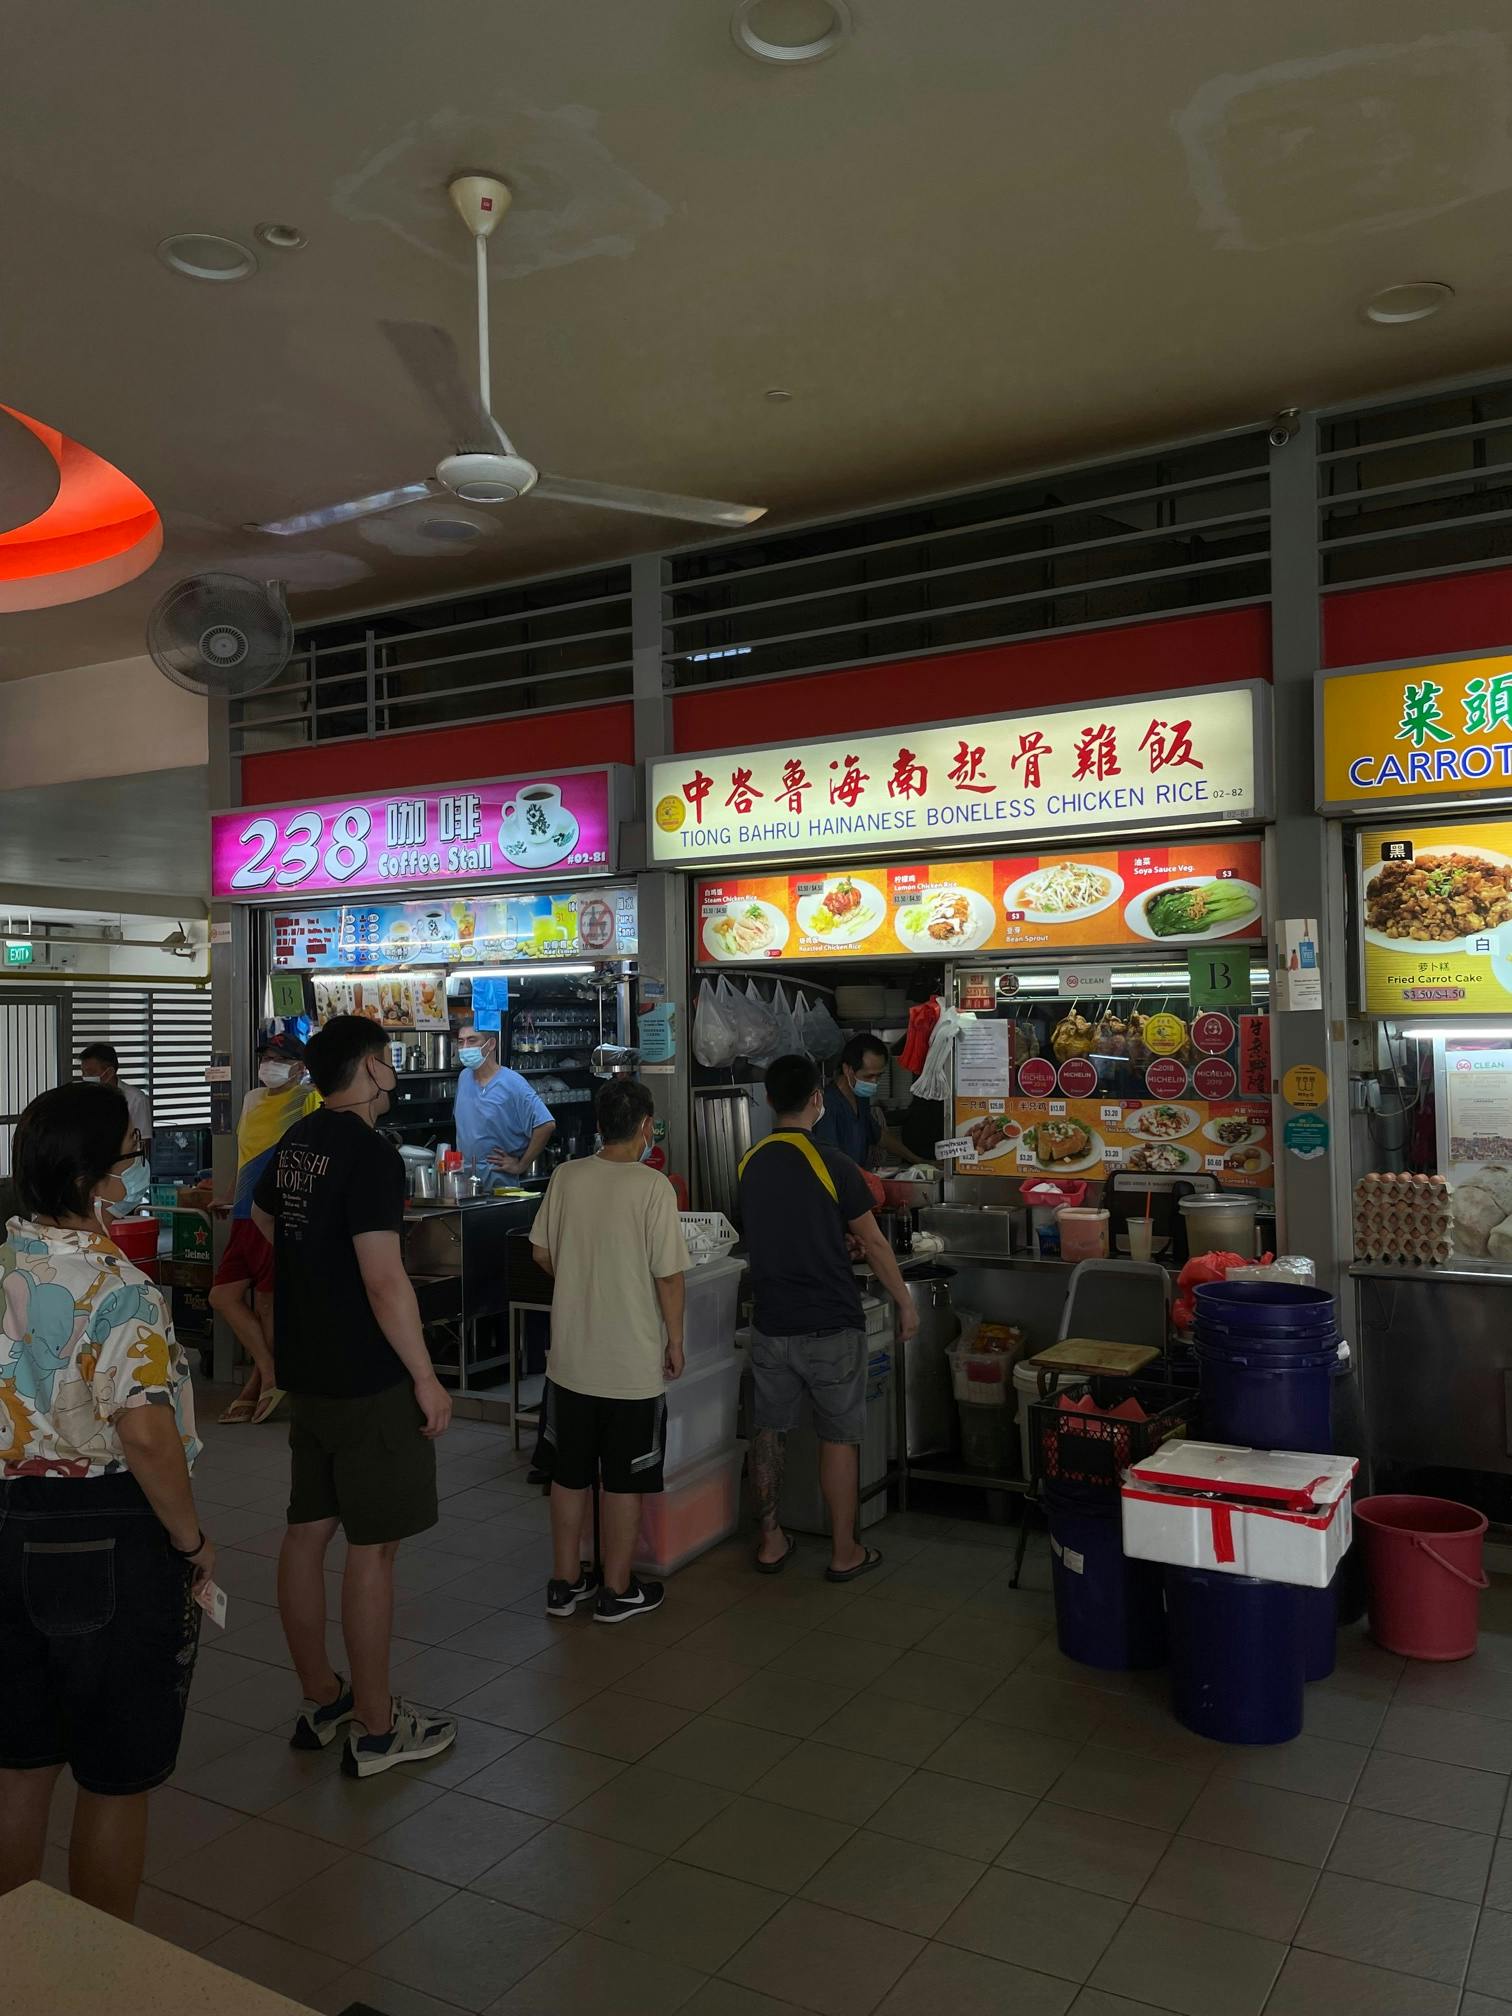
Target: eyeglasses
[[135, 1155]]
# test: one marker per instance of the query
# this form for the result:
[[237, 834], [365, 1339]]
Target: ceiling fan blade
[[342, 514], [647, 503], [430, 357]]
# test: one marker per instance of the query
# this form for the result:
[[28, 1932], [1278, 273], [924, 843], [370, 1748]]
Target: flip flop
[[269, 1404], [238, 1412], [776, 1567], [873, 1560]]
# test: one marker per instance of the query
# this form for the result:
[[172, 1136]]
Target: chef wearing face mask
[[502, 1122], [850, 1120]]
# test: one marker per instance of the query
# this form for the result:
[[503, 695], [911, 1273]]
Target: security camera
[[1285, 426]]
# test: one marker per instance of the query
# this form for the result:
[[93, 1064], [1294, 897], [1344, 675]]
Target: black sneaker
[[414, 1733], [316, 1726], [637, 1599], [563, 1598]]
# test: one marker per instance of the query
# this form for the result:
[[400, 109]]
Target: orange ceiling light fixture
[[100, 531]]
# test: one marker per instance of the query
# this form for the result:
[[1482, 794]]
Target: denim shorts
[[828, 1365], [99, 1628]]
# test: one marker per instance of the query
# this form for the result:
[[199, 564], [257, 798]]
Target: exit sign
[[18, 952]]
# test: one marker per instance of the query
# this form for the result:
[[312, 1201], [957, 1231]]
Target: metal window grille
[[162, 1037], [31, 1058]]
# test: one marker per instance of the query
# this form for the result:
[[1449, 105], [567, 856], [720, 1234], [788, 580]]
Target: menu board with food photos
[[1172, 895], [1435, 915]]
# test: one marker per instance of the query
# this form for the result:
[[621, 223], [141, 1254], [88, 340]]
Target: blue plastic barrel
[[1109, 1611], [1320, 1630], [1264, 1315], [1236, 1656], [1266, 1400]]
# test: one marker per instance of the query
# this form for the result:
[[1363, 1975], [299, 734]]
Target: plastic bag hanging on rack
[[789, 1023], [762, 1041], [821, 1032], [715, 1039], [935, 1080]]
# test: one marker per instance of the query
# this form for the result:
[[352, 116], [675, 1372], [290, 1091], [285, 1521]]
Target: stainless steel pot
[[929, 1397], [422, 1182], [458, 1185]]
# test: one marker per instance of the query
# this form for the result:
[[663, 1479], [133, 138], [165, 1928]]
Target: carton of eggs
[[1399, 1215]]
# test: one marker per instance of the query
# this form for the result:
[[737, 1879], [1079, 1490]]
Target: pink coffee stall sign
[[406, 839]]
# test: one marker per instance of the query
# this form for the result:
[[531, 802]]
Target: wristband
[[188, 1553]]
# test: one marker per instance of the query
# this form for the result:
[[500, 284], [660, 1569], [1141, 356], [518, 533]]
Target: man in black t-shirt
[[799, 1198], [365, 1403]]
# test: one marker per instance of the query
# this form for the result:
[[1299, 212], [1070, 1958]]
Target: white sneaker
[[414, 1733]]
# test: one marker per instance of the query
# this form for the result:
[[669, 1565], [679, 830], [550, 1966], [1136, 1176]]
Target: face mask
[[866, 1088], [471, 1056], [135, 1182], [647, 1151], [273, 1075]]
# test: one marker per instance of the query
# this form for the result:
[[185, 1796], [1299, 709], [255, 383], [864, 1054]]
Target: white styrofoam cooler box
[[1275, 1514], [713, 1302], [701, 1412]]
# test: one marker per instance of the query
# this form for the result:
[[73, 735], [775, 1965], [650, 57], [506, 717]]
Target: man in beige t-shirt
[[609, 1233]]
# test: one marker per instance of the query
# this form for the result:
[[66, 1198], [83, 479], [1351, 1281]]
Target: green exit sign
[[18, 952]]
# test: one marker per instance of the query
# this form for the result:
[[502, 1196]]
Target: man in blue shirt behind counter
[[849, 1121], [502, 1122]]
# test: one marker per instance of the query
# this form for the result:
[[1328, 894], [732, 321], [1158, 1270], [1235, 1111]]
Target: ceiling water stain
[[572, 199], [1358, 141]]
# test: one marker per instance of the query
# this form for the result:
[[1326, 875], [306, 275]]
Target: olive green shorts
[[363, 1461]]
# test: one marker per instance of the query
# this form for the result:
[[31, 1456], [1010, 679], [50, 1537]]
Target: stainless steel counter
[[457, 1257], [1435, 1352]]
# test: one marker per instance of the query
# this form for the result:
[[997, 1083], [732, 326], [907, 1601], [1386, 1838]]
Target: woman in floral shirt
[[100, 1544]]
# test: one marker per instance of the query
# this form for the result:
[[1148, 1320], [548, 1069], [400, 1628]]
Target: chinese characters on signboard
[[1112, 764], [1403, 733]]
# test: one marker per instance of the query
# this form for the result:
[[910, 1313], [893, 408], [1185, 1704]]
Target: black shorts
[[618, 1443], [99, 1628], [362, 1460]]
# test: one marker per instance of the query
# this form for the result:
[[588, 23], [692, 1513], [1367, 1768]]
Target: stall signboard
[[1172, 896], [460, 930], [565, 823], [1422, 729], [1119, 765], [1435, 920]]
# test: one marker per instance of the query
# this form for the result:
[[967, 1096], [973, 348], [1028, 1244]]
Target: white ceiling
[[983, 237], [122, 843]]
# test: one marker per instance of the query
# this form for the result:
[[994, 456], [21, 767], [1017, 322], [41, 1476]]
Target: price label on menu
[[1057, 1109], [1111, 1116], [958, 1149]]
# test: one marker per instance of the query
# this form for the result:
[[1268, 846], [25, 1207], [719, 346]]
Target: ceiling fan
[[486, 467]]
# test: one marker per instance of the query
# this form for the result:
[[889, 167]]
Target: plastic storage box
[[1271, 1514], [713, 1292], [693, 1514], [701, 1413], [1093, 1448]]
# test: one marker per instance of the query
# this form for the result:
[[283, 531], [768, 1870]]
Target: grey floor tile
[[1342, 1718], [781, 1702], [177, 1824], [507, 1637], [872, 1877], [440, 1677], [1448, 1736], [1314, 1764], [1471, 1686], [1088, 1851], [1046, 1927], [360, 1985], [951, 1813], [455, 1839], [598, 1659], [439, 1614], [546, 1779], [885, 1621], [1314, 1984], [350, 1811], [1098, 2002], [618, 1725], [1193, 1969], [994, 1642], [242, 1871], [1259, 1818], [774, 1846], [1148, 1791], [648, 1809], [689, 1915], [206, 1736], [1227, 1886], [262, 1773], [589, 1977], [685, 1679], [852, 1663], [947, 1978], [838, 1965], [1414, 1854], [748, 1640], [527, 1702], [994, 1753], [1498, 1895], [726, 1754], [1491, 1960], [1419, 1788], [478, 1948], [565, 1874], [352, 1908], [178, 1920], [952, 1684], [1382, 1926], [878, 1726], [273, 1963], [1029, 1701], [726, 1998], [836, 1784]]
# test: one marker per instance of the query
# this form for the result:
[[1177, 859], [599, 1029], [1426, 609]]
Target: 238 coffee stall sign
[[1128, 765]]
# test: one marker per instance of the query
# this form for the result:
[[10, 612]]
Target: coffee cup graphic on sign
[[536, 829]]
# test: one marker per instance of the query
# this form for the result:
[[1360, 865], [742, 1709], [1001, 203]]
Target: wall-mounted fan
[[221, 635], [487, 468]]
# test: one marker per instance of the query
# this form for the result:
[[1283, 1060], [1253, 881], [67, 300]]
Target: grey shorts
[[829, 1365]]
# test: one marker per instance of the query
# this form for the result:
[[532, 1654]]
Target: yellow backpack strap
[[799, 1140]]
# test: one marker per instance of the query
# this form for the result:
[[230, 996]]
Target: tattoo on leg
[[767, 1453]]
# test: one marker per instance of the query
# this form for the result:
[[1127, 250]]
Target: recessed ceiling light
[[450, 531], [1412, 301], [790, 31], [282, 237], [777, 397], [200, 255]]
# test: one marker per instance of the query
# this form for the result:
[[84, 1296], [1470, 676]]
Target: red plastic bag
[[1197, 1273]]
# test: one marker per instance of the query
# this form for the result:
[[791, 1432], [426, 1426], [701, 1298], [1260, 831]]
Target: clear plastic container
[[988, 1442], [701, 1413], [1083, 1232], [694, 1513], [713, 1296]]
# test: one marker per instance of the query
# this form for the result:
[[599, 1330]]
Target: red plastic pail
[[1424, 1575]]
